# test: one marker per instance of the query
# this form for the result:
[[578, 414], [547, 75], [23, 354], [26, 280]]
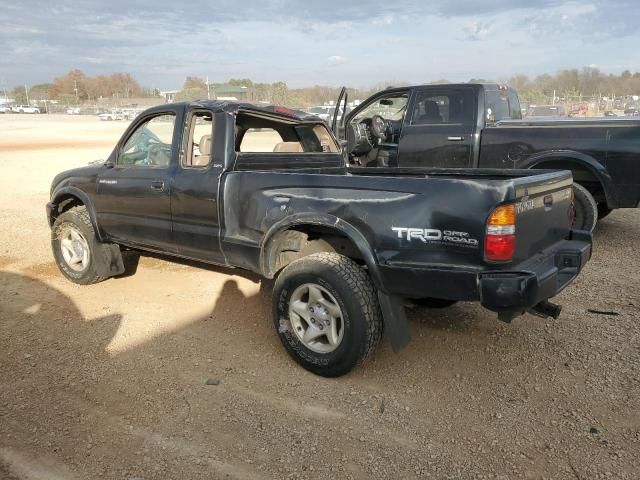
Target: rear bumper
[[504, 291], [543, 277]]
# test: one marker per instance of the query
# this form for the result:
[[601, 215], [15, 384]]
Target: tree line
[[76, 87], [571, 84], [567, 85]]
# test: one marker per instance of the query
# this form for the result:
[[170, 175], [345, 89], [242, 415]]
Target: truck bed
[[376, 201]]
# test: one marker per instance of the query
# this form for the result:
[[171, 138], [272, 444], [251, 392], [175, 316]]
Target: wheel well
[[302, 240], [64, 203], [581, 174]]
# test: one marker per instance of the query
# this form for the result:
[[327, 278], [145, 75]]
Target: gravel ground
[[176, 372]]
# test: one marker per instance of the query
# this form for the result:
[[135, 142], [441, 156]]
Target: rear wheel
[[585, 207], [326, 313], [603, 210]]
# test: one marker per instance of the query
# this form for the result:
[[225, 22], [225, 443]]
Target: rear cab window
[[275, 142], [501, 104]]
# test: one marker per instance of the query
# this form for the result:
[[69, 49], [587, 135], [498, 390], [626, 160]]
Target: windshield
[[389, 108]]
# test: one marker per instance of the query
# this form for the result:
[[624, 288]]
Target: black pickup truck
[[481, 126], [265, 190]]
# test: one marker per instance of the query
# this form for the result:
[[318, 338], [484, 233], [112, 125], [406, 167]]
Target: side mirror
[[109, 164]]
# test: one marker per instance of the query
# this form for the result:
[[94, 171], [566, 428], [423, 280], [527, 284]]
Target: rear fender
[[330, 222], [579, 159]]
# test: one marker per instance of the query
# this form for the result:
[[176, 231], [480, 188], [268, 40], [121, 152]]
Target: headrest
[[288, 147], [205, 145]]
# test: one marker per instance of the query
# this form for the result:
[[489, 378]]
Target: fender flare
[[583, 160], [327, 221], [83, 197], [396, 324]]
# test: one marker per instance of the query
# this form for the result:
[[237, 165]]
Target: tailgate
[[543, 212]]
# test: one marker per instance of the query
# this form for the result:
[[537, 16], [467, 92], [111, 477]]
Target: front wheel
[[585, 208], [74, 246], [326, 312]]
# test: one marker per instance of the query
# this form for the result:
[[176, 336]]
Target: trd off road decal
[[430, 235]]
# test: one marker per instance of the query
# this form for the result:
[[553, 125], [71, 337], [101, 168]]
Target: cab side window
[[149, 146], [452, 107], [198, 150]]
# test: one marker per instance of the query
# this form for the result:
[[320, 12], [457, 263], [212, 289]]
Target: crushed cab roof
[[234, 107]]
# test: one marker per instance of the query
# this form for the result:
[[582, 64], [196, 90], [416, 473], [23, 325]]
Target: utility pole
[[208, 93], [26, 93], [75, 89]]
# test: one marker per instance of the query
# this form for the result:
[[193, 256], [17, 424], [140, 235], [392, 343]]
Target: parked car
[[580, 109], [25, 109], [73, 111], [632, 109], [347, 245], [111, 116], [5, 109], [547, 111], [326, 112], [130, 113], [440, 126]]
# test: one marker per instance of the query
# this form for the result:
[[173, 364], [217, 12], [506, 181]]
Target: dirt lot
[[108, 381]]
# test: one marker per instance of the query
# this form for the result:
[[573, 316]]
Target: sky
[[303, 42]]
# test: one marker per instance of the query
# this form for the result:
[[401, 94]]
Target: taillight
[[500, 240]]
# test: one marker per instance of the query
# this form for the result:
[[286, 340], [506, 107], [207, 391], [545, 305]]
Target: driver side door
[[373, 128], [132, 199]]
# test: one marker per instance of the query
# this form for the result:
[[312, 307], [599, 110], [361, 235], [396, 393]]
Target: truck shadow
[[454, 318], [156, 260], [199, 400]]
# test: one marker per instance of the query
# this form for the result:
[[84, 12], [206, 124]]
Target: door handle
[[157, 186], [455, 139]]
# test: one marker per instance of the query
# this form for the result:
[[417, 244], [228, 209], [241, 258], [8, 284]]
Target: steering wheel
[[153, 154], [379, 127]]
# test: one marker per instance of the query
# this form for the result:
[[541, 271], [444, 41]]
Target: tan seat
[[205, 152], [288, 147], [327, 144]]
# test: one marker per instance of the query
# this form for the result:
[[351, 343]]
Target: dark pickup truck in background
[[264, 190], [481, 126]]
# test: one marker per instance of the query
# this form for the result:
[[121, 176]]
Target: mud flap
[[396, 324], [108, 259]]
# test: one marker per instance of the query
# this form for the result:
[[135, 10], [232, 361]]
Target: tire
[[74, 246], [603, 210], [585, 208], [433, 302], [346, 289]]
